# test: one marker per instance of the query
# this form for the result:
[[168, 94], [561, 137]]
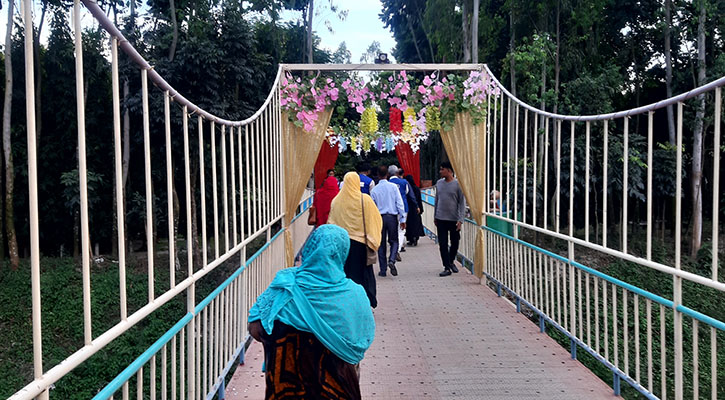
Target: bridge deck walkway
[[450, 338]]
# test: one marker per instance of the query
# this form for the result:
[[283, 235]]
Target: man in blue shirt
[[409, 201], [366, 183], [390, 204]]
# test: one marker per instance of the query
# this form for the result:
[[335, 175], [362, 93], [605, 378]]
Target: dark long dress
[[299, 366], [358, 272], [414, 228]]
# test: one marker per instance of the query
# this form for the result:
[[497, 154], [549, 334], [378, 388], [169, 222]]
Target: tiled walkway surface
[[451, 338]]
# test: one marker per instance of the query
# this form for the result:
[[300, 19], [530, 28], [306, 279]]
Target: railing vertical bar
[[595, 282], [182, 362], [571, 182], [173, 368], [487, 178], [677, 284], [232, 168], [82, 170], [546, 173], [650, 166], [148, 182], [205, 361], [605, 317], [587, 148], [500, 161], [516, 176], [508, 162], [152, 377], [589, 310], [695, 359], [535, 177], [215, 197], [248, 179], [558, 176], [605, 182], [526, 160], [625, 330], [198, 394], [242, 234], [716, 227], [255, 187], [225, 194], [663, 355], [625, 183], [119, 178], [267, 163], [169, 191], [637, 363], [615, 326], [202, 190], [164, 373], [124, 391], [139, 383], [650, 383], [580, 298]]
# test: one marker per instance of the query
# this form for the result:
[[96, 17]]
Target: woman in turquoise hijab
[[315, 324]]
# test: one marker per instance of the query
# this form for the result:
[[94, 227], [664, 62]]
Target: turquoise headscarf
[[316, 297]]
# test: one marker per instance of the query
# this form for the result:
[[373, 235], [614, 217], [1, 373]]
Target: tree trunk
[[474, 31], [7, 147], [427, 37], [175, 31], [466, 35], [38, 76], [697, 144], [412, 35], [309, 31], [668, 70]]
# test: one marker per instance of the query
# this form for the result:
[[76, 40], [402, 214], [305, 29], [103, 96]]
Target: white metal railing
[[545, 181], [244, 161]]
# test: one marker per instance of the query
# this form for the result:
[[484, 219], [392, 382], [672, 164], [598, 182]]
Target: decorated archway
[[393, 110]]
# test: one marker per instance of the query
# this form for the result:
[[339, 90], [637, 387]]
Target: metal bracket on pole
[[542, 324], [573, 349], [617, 385]]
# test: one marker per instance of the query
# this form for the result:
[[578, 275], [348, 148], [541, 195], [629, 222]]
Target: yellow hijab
[[346, 213]]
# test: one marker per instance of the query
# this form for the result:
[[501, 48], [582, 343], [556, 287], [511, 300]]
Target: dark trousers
[[390, 234], [446, 228]]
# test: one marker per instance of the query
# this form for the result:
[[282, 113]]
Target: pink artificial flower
[[404, 75], [427, 81], [334, 93], [360, 108], [422, 89], [405, 90]]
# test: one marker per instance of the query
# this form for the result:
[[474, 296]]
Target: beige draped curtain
[[300, 153], [465, 144]]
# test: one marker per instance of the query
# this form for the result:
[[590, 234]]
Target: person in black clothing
[[415, 221]]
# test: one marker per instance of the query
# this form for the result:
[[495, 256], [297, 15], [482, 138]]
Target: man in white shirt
[[390, 204]]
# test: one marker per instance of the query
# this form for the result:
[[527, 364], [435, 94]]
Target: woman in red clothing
[[323, 199]]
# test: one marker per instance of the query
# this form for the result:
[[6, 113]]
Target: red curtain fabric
[[325, 160], [408, 161]]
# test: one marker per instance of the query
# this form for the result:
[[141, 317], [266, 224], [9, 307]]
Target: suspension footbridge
[[536, 317]]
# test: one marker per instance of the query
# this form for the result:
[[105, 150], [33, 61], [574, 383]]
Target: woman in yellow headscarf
[[359, 216]]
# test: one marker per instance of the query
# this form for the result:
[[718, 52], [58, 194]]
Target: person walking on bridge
[[387, 197], [450, 209], [315, 324], [357, 214]]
